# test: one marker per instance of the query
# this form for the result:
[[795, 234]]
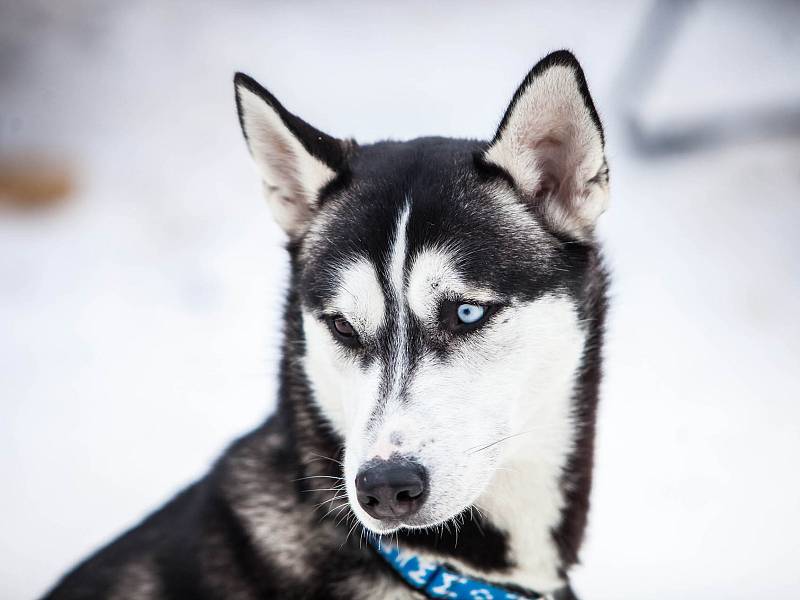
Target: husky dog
[[439, 379]]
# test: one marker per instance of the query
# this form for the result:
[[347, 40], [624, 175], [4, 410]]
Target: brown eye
[[343, 327], [343, 331]]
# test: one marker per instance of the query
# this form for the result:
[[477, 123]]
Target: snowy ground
[[139, 323]]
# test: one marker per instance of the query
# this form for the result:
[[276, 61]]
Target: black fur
[[203, 544]]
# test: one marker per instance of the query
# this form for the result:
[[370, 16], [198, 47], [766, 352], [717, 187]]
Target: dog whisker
[[333, 460], [336, 508], [351, 531], [503, 439], [319, 477], [335, 489], [344, 517], [335, 497]]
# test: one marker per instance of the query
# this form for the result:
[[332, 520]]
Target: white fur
[[340, 385], [360, 297], [397, 263], [292, 176], [550, 130], [343, 390]]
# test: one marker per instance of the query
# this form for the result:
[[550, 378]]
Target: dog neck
[[525, 501]]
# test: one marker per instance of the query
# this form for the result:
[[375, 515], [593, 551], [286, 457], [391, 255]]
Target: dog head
[[438, 282]]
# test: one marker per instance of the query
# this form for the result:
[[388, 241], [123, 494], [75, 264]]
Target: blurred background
[[141, 276]]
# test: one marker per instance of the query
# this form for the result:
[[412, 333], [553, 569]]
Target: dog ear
[[295, 160], [551, 143]]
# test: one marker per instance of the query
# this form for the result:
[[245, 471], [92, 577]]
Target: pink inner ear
[[283, 162], [558, 162]]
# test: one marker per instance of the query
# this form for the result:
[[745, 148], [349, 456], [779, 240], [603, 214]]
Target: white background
[[139, 322]]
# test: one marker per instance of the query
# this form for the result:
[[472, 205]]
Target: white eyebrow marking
[[359, 297], [397, 261], [433, 276]]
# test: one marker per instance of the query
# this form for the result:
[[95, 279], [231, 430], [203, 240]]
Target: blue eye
[[470, 313]]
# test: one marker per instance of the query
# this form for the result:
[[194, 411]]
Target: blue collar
[[438, 581]]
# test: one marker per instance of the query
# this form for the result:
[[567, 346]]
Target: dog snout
[[391, 488]]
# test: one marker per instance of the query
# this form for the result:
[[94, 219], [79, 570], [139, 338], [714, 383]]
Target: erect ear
[[295, 160], [551, 143]]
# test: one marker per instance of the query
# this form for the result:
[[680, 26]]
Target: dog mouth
[[391, 525]]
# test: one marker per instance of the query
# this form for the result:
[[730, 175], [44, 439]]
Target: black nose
[[390, 488]]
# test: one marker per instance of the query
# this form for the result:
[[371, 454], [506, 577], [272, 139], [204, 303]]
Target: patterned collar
[[441, 581]]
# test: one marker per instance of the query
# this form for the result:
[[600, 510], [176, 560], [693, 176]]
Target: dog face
[[437, 280]]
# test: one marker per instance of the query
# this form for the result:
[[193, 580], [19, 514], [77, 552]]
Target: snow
[[139, 323]]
